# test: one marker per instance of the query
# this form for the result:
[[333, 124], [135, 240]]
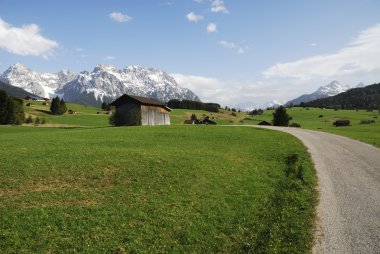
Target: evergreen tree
[[18, 111], [62, 108], [58, 106], [280, 117], [3, 107], [37, 121], [11, 109]]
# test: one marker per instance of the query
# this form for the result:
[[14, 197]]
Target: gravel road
[[349, 185]]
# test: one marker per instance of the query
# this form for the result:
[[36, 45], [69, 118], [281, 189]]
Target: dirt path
[[349, 185]]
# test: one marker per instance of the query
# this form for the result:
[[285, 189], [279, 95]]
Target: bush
[[320, 116], [339, 123], [297, 125], [280, 117], [37, 121], [29, 119], [43, 121], [367, 121], [233, 114]]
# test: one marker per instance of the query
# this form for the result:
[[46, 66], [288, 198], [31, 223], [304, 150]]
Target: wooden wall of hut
[[153, 115]]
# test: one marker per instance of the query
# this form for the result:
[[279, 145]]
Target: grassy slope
[[152, 189], [309, 119], [369, 133], [86, 115]]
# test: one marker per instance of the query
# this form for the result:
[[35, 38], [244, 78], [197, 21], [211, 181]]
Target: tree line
[[357, 98], [188, 104], [11, 109]]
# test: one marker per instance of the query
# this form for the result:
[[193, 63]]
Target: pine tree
[[58, 106], [3, 107], [62, 108], [280, 117]]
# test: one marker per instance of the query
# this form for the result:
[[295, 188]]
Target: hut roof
[[140, 100], [264, 123]]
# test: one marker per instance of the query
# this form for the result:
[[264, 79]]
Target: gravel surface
[[349, 186]]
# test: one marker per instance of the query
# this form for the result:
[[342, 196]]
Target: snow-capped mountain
[[41, 84], [271, 104], [104, 83], [251, 106], [331, 89]]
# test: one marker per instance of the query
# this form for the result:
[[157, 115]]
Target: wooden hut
[[136, 110], [265, 123]]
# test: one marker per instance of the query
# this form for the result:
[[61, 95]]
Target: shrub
[[233, 114], [320, 116], [367, 121], [117, 119], [29, 119], [37, 121], [43, 121], [280, 117], [297, 125], [339, 123]]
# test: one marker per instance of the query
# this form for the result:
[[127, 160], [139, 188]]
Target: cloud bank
[[358, 61], [25, 40]]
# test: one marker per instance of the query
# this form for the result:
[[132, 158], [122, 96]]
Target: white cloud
[[240, 48], [109, 58], [211, 89], [119, 17], [198, 1], [218, 6], [211, 28], [25, 41], [192, 17], [313, 44], [227, 45], [358, 58]]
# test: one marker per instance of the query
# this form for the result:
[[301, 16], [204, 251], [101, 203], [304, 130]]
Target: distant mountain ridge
[[331, 89], [367, 97], [104, 83], [14, 91]]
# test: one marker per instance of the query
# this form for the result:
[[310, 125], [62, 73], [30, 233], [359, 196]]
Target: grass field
[[198, 189], [309, 119]]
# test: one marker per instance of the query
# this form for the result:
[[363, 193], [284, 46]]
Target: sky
[[227, 51]]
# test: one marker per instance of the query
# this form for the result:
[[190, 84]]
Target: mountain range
[[104, 84], [367, 97], [329, 90]]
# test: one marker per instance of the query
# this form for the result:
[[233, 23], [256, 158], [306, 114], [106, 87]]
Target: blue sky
[[231, 51]]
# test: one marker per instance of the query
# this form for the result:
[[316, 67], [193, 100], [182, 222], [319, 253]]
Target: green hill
[[357, 98]]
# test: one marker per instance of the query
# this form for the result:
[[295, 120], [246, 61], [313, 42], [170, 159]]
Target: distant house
[[71, 112], [136, 110], [265, 123], [29, 104]]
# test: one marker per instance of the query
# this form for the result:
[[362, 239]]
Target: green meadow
[[80, 186], [310, 119], [181, 189]]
